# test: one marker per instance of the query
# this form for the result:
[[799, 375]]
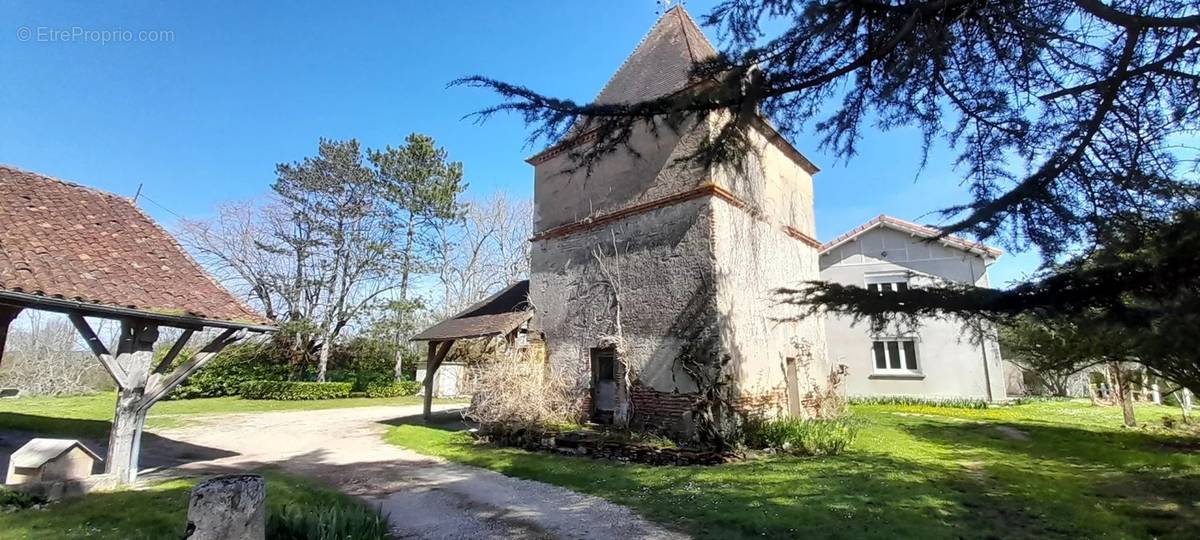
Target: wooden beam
[[180, 343], [98, 349], [437, 353], [161, 384], [7, 314]]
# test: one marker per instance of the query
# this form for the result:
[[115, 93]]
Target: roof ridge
[[629, 56], [884, 219], [68, 183], [685, 17]]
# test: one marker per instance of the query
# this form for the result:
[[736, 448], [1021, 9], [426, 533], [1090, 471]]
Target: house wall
[[951, 365]]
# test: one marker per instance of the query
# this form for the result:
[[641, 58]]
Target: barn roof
[[67, 247], [38, 452], [909, 227], [497, 314]]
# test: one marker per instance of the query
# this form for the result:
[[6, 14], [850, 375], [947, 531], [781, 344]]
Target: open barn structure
[[87, 254], [504, 313]]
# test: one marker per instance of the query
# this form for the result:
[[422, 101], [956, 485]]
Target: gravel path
[[424, 497]]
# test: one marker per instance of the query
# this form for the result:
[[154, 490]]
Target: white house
[[939, 359]]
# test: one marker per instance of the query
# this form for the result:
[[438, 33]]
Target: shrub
[[234, 366], [361, 379], [391, 389], [811, 437], [18, 500], [331, 523], [516, 391], [294, 391], [1039, 399], [956, 403]]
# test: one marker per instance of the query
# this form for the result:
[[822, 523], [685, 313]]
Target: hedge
[[950, 402], [294, 390], [391, 389]]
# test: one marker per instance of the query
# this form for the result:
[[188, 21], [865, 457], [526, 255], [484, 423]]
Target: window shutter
[[900, 286], [873, 287]]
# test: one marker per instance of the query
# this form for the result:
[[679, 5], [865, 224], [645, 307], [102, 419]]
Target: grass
[[90, 416], [1040, 470], [153, 513]]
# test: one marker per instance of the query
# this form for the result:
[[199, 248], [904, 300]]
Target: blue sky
[[203, 115]]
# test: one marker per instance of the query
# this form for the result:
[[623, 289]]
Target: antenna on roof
[[666, 4], [138, 194]]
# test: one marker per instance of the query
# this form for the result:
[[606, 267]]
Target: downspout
[[987, 375]]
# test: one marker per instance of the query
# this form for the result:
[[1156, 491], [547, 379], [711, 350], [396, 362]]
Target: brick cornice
[[706, 190]]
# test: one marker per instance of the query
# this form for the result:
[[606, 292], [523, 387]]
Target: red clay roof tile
[[66, 241]]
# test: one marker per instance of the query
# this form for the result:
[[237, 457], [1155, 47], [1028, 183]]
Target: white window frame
[[902, 370], [886, 282]]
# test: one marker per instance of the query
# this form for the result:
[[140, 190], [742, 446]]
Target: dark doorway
[[604, 384]]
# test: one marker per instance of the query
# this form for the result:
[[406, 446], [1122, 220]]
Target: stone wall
[[665, 268]]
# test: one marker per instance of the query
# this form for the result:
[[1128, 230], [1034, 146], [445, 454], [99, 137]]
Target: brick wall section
[[767, 404], [660, 410]]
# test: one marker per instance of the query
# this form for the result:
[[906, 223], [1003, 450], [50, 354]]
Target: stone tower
[[653, 276]]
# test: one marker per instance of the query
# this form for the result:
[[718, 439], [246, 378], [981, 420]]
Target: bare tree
[[44, 357], [487, 250], [230, 246]]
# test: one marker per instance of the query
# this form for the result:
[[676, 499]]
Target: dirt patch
[[423, 497]]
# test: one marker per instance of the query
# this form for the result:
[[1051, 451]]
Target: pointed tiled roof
[[883, 220], [662, 62], [69, 246]]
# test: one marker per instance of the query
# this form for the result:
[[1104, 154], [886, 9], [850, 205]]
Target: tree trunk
[[1121, 392], [405, 269], [323, 360]]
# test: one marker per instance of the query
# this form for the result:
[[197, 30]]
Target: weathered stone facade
[[675, 264]]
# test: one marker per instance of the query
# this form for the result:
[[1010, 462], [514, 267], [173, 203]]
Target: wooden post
[[433, 360], [7, 314], [134, 356], [140, 384]]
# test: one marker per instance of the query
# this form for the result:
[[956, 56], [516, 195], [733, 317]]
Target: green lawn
[[90, 416], [914, 472], [154, 513]]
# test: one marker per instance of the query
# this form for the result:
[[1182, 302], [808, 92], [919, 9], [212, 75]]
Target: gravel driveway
[[424, 497]]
